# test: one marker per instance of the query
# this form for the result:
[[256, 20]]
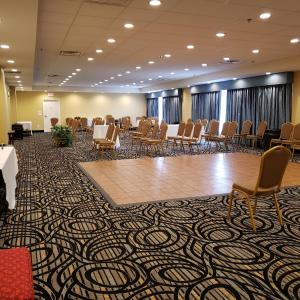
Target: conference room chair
[[74, 126], [155, 143], [138, 132], [294, 142], [189, 127], [261, 129], [53, 121], [125, 125], [83, 123], [273, 164], [68, 120], [179, 134], [213, 129], [108, 136], [246, 128], [154, 132], [194, 140], [144, 133], [285, 134], [227, 138], [109, 144]]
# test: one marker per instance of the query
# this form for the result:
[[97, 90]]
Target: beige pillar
[[296, 98], [186, 105], [13, 105], [4, 110]]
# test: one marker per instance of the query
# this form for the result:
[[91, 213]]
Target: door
[[51, 109]]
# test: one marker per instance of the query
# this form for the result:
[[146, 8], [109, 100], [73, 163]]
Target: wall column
[[13, 105], [4, 110], [186, 105], [296, 98]]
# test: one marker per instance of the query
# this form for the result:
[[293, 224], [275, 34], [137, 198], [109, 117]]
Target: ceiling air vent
[[53, 75], [229, 62], [69, 53], [122, 3]]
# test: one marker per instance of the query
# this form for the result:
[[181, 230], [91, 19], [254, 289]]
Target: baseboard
[[37, 131]]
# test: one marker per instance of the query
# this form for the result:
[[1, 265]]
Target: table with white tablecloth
[[9, 169], [27, 125], [100, 133], [173, 129]]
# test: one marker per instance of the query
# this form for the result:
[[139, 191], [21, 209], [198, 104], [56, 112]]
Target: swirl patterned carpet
[[82, 248]]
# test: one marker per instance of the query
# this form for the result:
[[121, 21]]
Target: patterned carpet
[[82, 248]]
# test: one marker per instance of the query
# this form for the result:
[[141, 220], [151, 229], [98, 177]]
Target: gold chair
[[105, 145], [83, 123], [153, 136], [213, 129], [53, 121], [154, 143], [125, 125], [259, 134], [144, 133], [108, 136], [230, 130], [180, 133], [75, 124], [272, 167], [195, 139], [139, 128], [246, 127], [189, 127], [294, 142], [285, 134]]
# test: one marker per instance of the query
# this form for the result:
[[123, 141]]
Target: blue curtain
[[172, 109], [206, 106], [152, 107], [270, 103]]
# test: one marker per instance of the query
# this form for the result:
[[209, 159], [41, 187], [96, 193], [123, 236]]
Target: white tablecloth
[[100, 133], [172, 129], [27, 125], [9, 168]]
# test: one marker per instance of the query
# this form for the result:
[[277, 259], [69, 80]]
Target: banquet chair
[[213, 129], [246, 127], [153, 136], [109, 144], [226, 138], [110, 120], [67, 121], [285, 134], [259, 134], [75, 125], [273, 164], [189, 127], [180, 133], [138, 132], [108, 135], [195, 139], [154, 143], [84, 123], [53, 121], [294, 142], [144, 133], [125, 125]]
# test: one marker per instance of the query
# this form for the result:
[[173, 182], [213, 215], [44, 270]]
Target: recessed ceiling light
[[100, 82], [74, 74], [17, 77], [142, 81], [127, 84], [150, 79], [19, 81], [186, 69], [204, 65], [159, 76], [226, 58], [112, 77], [99, 51], [127, 72], [255, 51], [268, 73], [14, 70], [220, 34], [172, 73], [105, 80], [155, 2], [138, 67], [4, 46], [234, 78], [90, 58], [134, 83], [294, 41], [167, 55], [111, 40], [69, 76], [78, 70], [151, 62], [67, 79], [10, 61], [190, 46], [128, 25], [64, 81], [120, 75], [95, 84], [265, 15]]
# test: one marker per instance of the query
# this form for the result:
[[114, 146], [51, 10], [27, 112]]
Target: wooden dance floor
[[133, 181]]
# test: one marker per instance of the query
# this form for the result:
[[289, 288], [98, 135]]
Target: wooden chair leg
[[255, 205], [251, 213], [278, 209], [230, 197]]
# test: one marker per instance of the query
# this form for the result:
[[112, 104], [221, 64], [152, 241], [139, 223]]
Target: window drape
[[270, 103], [172, 109], [206, 106], [152, 107]]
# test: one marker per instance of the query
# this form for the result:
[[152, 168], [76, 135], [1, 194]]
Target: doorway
[[51, 109]]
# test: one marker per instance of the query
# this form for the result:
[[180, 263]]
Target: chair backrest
[[261, 128], [286, 131], [188, 129], [190, 120], [296, 133], [110, 132], [70, 124], [154, 131], [214, 127], [68, 121], [197, 130], [232, 127], [146, 128], [110, 120], [83, 122], [225, 128], [272, 167], [163, 131], [116, 133], [181, 129], [98, 121], [246, 127], [140, 126], [54, 121], [75, 125]]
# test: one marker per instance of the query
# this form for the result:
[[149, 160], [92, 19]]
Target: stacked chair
[[188, 130], [153, 144], [194, 140], [109, 143], [146, 127]]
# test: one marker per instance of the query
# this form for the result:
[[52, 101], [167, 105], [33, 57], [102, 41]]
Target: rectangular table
[[100, 133], [9, 168], [27, 125]]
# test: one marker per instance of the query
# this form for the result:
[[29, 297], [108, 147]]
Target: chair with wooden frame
[[212, 130], [194, 140], [189, 127], [294, 142], [180, 133], [154, 143], [138, 132], [67, 121], [154, 132], [285, 134], [108, 136], [125, 125], [246, 128], [105, 145], [84, 123], [53, 121], [226, 139], [272, 167], [259, 134], [145, 131], [75, 125]]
